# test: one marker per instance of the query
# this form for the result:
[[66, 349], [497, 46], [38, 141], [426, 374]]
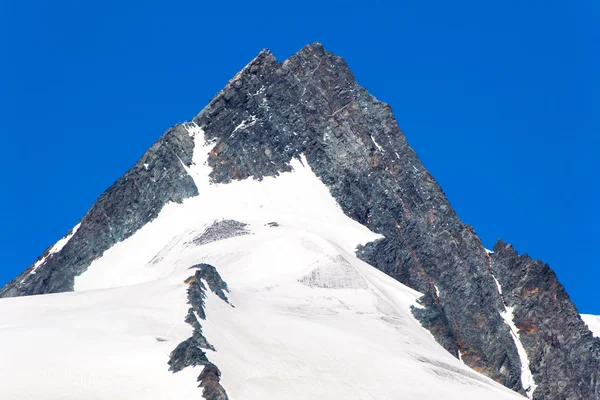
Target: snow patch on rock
[[593, 323], [507, 315], [58, 246]]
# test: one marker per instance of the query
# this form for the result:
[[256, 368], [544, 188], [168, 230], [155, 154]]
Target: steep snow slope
[[326, 325], [306, 319]]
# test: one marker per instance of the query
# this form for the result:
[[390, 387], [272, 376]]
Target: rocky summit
[[502, 314]]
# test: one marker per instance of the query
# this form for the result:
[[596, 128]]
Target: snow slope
[[106, 344], [593, 323], [309, 320]]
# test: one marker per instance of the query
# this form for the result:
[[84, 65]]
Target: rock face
[[563, 354], [311, 104]]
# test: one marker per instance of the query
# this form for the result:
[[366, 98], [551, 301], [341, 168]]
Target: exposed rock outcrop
[[221, 230], [190, 353], [563, 354]]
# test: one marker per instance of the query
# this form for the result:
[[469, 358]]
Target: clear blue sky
[[499, 99]]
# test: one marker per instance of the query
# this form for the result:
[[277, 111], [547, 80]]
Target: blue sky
[[499, 99]]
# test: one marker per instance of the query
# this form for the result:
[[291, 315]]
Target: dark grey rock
[[221, 230], [210, 381], [209, 274], [191, 352], [563, 354], [433, 318], [187, 354]]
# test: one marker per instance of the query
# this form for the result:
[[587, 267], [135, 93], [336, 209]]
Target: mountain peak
[[310, 108]]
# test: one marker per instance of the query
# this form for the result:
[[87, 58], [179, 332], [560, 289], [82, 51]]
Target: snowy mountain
[[287, 243]]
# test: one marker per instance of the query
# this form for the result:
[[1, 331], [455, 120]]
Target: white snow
[[376, 144], [488, 251], [526, 376], [593, 323], [95, 345], [498, 285], [245, 124], [310, 320], [58, 246], [62, 242]]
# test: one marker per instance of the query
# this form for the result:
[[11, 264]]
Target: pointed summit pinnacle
[[263, 60]]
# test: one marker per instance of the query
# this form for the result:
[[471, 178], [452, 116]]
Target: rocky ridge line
[[190, 353], [132, 201]]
